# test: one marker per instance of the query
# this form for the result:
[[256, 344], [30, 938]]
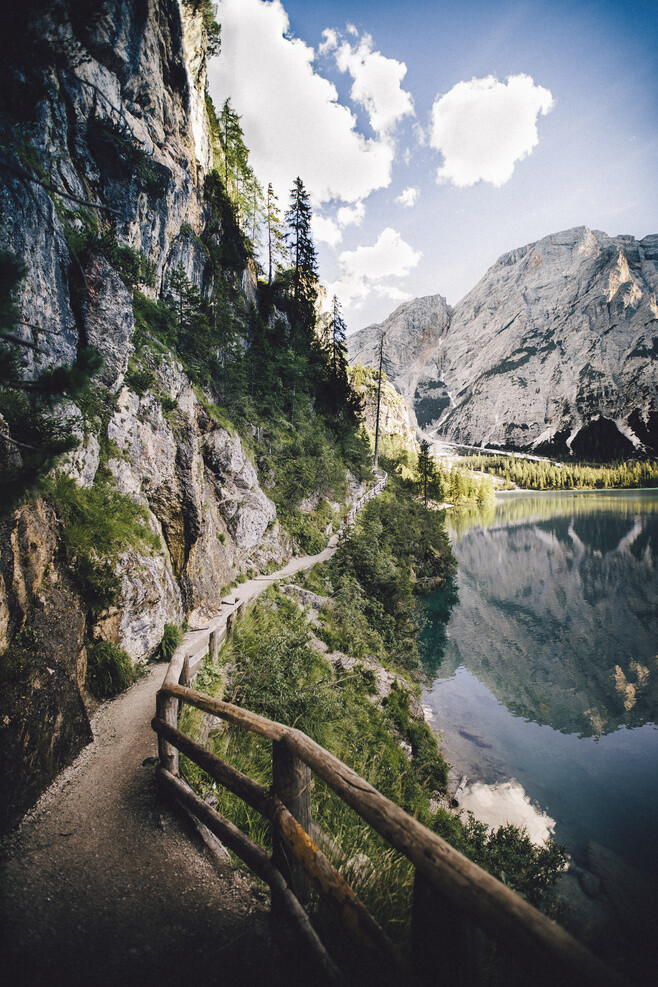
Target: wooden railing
[[455, 902], [452, 896]]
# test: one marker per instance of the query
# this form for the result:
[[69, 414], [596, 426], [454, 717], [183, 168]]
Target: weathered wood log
[[213, 646], [500, 912], [332, 887], [186, 677], [167, 710], [258, 861], [230, 621], [291, 782], [227, 711], [443, 938]]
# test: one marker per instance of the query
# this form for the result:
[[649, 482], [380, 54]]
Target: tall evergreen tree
[[305, 264], [240, 183], [337, 337], [276, 244], [426, 469]]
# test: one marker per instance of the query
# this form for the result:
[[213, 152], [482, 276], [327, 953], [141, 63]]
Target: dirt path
[[103, 884]]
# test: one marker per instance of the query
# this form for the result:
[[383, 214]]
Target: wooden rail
[[453, 898]]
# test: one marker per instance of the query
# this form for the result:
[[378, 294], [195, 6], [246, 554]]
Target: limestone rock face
[[555, 348], [108, 318], [43, 721], [102, 178], [393, 413], [412, 334]]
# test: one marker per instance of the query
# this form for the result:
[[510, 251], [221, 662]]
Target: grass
[[109, 669]]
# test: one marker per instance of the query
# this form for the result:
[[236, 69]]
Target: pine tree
[[305, 264], [426, 469], [337, 337], [240, 182], [276, 244]]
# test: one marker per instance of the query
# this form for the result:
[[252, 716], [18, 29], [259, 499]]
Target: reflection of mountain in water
[[558, 617]]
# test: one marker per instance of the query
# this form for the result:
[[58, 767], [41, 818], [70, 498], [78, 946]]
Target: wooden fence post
[[241, 611], [230, 620], [167, 709], [443, 940], [213, 646], [291, 782]]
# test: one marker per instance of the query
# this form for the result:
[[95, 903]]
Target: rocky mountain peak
[[555, 345]]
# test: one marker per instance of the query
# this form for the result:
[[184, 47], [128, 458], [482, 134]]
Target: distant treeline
[[546, 475]]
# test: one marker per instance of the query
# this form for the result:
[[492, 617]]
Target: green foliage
[[109, 669], [396, 548], [551, 475], [172, 636], [139, 379], [292, 683], [98, 523], [507, 853]]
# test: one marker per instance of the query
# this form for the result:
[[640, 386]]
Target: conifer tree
[[276, 244], [337, 337], [305, 264], [426, 469]]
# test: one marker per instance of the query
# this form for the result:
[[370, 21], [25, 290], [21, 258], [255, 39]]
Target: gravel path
[[104, 884]]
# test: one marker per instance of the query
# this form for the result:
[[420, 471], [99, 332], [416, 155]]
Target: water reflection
[[505, 802], [557, 609]]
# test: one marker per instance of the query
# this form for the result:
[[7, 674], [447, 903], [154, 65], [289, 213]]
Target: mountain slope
[[554, 348]]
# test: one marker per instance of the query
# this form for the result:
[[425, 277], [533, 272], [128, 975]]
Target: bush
[[172, 636], [109, 669], [98, 524]]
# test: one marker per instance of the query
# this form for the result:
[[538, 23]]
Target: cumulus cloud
[[377, 79], [291, 117], [483, 127], [351, 215], [325, 230], [408, 196], [366, 270]]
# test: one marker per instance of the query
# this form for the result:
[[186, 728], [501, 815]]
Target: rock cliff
[[104, 140], [554, 349]]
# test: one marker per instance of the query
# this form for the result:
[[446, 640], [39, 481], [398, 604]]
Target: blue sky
[[570, 91]]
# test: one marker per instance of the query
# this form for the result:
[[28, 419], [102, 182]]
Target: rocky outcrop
[[412, 333], [393, 414], [554, 349], [102, 170], [43, 721]]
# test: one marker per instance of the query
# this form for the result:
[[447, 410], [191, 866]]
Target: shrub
[[109, 669], [172, 636], [98, 524], [139, 379]]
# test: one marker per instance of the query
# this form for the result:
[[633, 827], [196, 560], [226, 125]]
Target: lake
[[546, 673]]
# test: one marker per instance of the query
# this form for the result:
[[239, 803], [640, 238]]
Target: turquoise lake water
[[546, 674]]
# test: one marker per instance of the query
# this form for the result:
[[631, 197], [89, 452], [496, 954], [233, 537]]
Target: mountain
[[123, 249], [553, 350]]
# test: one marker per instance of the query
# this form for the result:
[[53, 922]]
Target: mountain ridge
[[553, 346]]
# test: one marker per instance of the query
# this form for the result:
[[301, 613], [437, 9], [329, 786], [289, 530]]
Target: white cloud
[[377, 83], [330, 41], [291, 117], [365, 270], [408, 196], [348, 215], [483, 127], [325, 230]]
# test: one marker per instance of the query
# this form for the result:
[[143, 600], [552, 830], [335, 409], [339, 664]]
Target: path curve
[[104, 884]]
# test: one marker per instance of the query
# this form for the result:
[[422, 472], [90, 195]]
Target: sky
[[436, 136]]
